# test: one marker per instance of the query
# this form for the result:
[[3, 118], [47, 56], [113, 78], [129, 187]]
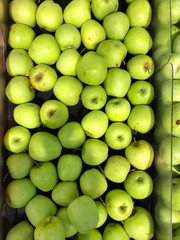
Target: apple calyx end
[[139, 179], [123, 208], [177, 122]]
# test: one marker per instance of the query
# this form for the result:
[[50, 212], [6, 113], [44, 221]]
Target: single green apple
[[119, 204], [71, 135], [118, 135], [54, 114], [44, 146], [20, 36], [18, 62], [19, 90], [19, 192], [44, 49], [83, 214], [115, 231], [114, 52], [93, 234], [16, 139], [116, 25], [38, 208], [117, 168], [19, 165], [102, 213], [117, 82], [94, 151], [140, 154], [91, 68]]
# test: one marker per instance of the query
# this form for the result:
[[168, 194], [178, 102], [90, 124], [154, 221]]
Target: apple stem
[[5, 176], [82, 50], [132, 170], [101, 200], [91, 4], [50, 220], [36, 163], [135, 142], [76, 149], [117, 65], [147, 66]]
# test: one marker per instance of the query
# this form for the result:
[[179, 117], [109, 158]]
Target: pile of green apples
[[78, 157]]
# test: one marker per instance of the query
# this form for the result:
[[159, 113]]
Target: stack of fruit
[[79, 156]]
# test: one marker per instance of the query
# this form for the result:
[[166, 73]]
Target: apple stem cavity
[[147, 66], [52, 112]]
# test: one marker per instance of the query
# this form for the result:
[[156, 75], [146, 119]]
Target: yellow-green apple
[[69, 167], [92, 33], [116, 25], [118, 135], [54, 114], [117, 168], [44, 49], [49, 15], [44, 146], [16, 139], [19, 192], [117, 82], [175, 12], [21, 36], [115, 231], [140, 154], [38, 208], [77, 12], [18, 62], [114, 52], [94, 151], [119, 204], [83, 214], [118, 109], [67, 89], [92, 68], [71, 135], [92, 234], [102, 213], [93, 97]]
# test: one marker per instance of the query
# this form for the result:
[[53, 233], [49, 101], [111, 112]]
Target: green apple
[[102, 213], [68, 36], [19, 90], [94, 151], [83, 214], [43, 77], [77, 12], [44, 146], [117, 168], [16, 139], [38, 208], [140, 154], [67, 62], [19, 165], [23, 12], [175, 12], [54, 114], [27, 115], [92, 33], [95, 123], [18, 62], [115, 231], [71, 135], [67, 89], [119, 204], [93, 183], [138, 41], [44, 176], [140, 67], [118, 109], [69, 229], [141, 92], [139, 13], [100, 9], [91, 68], [44, 49], [20, 36], [117, 82], [116, 25], [19, 192], [64, 193], [139, 184], [93, 97], [140, 225], [93, 234], [114, 52], [176, 44], [22, 229], [50, 227], [69, 167], [49, 15], [141, 118], [118, 135]]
